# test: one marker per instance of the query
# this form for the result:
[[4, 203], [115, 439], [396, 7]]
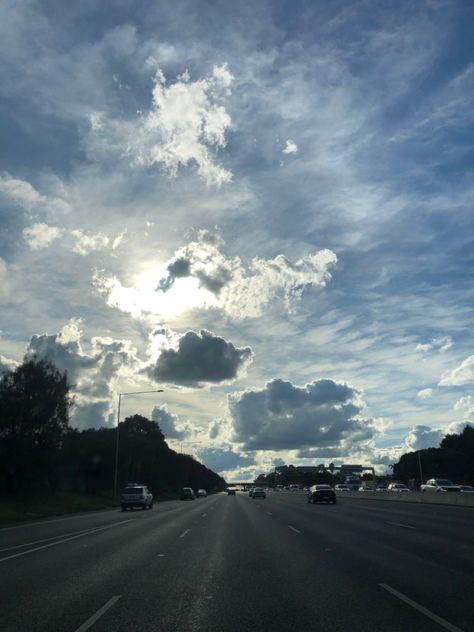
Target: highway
[[234, 564]]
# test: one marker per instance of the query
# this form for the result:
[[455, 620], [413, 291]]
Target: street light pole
[[419, 467], [117, 435]]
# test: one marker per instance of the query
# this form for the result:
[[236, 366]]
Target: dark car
[[187, 493], [321, 494]]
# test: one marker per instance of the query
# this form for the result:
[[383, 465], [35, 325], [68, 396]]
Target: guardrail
[[436, 498]]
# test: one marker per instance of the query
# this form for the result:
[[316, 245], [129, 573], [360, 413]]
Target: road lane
[[238, 567], [60, 583], [429, 565]]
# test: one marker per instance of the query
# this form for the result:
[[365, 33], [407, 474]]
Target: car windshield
[[444, 481], [133, 490]]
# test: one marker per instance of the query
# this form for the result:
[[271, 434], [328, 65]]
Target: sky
[[264, 209]]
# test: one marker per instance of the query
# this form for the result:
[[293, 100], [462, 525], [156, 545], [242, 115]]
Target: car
[[259, 492], [439, 485], [366, 488], [187, 493], [380, 488], [251, 491], [136, 495], [341, 488], [321, 493], [397, 487], [201, 493], [466, 489], [231, 491]]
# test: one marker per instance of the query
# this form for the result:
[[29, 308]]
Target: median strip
[[87, 624], [74, 537], [434, 617]]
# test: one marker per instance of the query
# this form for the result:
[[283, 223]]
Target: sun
[[144, 297]]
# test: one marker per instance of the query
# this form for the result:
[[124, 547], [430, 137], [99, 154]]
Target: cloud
[[40, 235], [421, 437], [425, 393], [322, 414], [27, 197], [200, 275], [92, 375], [224, 459], [442, 344], [7, 364], [169, 424], [201, 359], [290, 148], [185, 124], [463, 374], [87, 243], [465, 405]]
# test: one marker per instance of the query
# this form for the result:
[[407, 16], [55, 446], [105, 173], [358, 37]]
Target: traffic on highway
[[239, 562]]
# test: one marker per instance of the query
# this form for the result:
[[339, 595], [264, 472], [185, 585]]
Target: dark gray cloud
[[220, 460], [168, 424], [322, 414], [201, 358]]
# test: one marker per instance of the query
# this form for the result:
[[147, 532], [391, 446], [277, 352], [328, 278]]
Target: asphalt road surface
[[234, 564]]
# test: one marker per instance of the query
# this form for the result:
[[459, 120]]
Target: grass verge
[[16, 510]]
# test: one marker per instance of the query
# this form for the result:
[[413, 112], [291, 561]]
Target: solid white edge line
[[185, 533], [434, 617], [74, 537], [53, 537], [91, 620], [294, 529], [399, 524]]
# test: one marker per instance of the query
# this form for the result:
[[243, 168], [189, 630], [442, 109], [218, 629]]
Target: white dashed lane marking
[[434, 617], [90, 622]]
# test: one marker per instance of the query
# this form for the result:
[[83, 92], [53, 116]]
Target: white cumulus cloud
[[85, 244], [290, 148], [39, 236], [185, 126], [463, 374], [425, 393], [200, 275]]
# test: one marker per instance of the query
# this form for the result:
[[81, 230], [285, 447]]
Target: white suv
[[136, 496], [440, 485]]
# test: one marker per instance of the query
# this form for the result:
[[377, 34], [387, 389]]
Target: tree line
[[40, 453], [454, 459]]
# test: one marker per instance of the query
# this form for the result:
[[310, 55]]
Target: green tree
[[34, 416]]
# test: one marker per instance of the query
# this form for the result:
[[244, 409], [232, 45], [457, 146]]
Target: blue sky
[[265, 209]]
